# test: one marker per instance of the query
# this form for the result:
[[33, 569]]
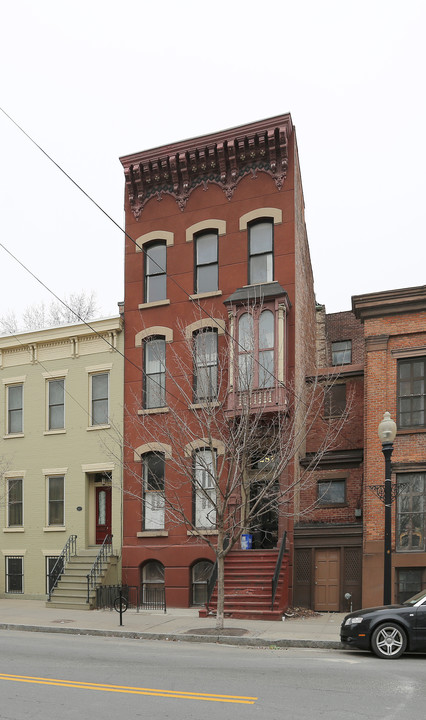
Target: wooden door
[[103, 513], [327, 580]]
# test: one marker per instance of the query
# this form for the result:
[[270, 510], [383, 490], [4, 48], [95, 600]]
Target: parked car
[[388, 630]]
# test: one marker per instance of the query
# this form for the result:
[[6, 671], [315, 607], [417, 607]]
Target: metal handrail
[[97, 568], [278, 568], [70, 548], [211, 582]]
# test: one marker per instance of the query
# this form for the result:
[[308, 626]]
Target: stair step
[[68, 605]]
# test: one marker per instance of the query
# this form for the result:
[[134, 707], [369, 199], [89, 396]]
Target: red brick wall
[[401, 332]]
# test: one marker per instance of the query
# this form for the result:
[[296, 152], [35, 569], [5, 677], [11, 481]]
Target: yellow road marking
[[179, 694]]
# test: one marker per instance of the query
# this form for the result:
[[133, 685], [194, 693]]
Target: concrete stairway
[[71, 590], [248, 586]]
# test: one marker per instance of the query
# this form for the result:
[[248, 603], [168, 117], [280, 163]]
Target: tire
[[389, 641]]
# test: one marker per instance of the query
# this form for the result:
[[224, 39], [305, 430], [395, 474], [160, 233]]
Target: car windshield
[[417, 599]]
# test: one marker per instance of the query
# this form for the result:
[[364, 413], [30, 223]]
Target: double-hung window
[[205, 365], [56, 404], [332, 492], [256, 350], [154, 372], [155, 272], [205, 489], [410, 525], [15, 409], [261, 258], [341, 352], [411, 392], [15, 502], [56, 500], [206, 262], [99, 398], [153, 465]]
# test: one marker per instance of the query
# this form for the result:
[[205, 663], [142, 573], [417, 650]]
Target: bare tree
[[76, 307], [231, 462]]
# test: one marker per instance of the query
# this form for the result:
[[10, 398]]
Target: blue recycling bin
[[246, 542]]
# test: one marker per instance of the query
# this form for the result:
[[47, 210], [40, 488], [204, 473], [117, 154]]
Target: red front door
[[103, 513]]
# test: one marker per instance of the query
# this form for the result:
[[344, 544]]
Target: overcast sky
[[92, 80]]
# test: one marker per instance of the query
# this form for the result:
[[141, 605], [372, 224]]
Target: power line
[[126, 234]]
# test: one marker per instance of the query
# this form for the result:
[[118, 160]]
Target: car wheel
[[389, 641]]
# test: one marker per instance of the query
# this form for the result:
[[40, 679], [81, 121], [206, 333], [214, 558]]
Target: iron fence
[[137, 597]]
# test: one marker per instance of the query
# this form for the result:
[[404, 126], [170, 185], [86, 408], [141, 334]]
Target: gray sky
[[92, 80]]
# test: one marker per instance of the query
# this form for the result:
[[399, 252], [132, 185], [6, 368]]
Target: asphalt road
[[67, 676]]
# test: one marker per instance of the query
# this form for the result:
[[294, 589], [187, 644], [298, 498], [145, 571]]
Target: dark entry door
[[103, 513], [264, 528]]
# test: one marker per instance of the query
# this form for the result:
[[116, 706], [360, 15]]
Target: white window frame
[[11, 479], [9, 383], [153, 500], [52, 476], [57, 377], [204, 491], [91, 399]]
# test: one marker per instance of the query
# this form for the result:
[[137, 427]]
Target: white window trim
[[11, 382], [60, 375], [218, 225], [55, 472], [91, 375], [156, 303], [274, 214], [13, 476], [164, 235]]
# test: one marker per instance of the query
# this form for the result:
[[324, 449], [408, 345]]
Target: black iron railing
[[211, 582], [98, 566], [55, 573], [143, 596], [278, 568], [153, 598]]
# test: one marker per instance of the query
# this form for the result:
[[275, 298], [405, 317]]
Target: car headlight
[[354, 620]]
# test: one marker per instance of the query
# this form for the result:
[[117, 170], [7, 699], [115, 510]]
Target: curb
[[171, 637]]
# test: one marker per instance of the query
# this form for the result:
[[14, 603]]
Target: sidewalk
[[177, 624]]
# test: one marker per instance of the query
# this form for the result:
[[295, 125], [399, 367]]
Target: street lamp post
[[387, 433]]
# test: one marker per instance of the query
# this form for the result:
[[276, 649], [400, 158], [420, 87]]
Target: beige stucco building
[[61, 400]]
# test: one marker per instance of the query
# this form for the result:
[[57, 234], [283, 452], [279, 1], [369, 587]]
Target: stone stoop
[[71, 590], [248, 586]]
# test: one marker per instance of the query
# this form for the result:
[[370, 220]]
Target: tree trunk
[[220, 582]]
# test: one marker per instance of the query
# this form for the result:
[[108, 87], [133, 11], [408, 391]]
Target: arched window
[[206, 262], [153, 583], [154, 395], [261, 265], [201, 572], [256, 350], [205, 365], [205, 464], [155, 272], [153, 466]]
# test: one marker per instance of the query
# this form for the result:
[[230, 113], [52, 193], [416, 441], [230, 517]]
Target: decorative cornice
[[389, 302], [221, 159], [340, 458]]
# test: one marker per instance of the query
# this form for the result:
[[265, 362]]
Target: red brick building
[[214, 224], [394, 324], [328, 526]]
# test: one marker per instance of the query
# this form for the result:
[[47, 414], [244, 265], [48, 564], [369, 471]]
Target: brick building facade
[[328, 529], [395, 363], [215, 225]]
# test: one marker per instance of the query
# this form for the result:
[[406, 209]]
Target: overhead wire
[[143, 250]]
